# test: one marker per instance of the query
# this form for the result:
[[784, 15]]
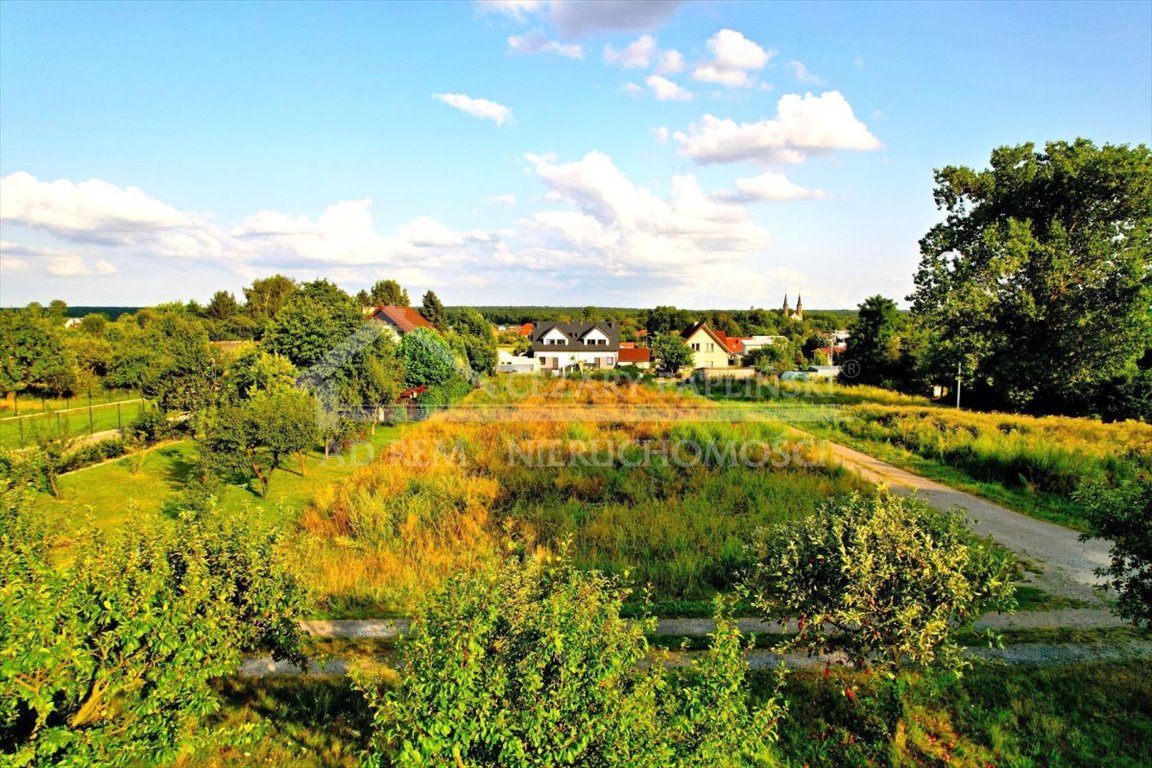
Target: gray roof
[[575, 332]]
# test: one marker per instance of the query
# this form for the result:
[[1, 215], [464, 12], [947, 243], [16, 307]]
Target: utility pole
[[957, 384]]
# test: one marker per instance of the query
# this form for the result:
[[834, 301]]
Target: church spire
[[787, 311], [799, 314]]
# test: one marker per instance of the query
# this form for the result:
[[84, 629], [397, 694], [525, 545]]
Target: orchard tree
[[33, 353], [671, 352], [1123, 515], [433, 311], [110, 658], [427, 359], [388, 293], [256, 371], [885, 579], [1038, 281], [525, 665]]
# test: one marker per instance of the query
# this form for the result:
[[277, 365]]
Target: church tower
[[787, 311], [799, 314]]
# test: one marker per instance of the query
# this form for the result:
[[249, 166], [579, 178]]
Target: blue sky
[[705, 154]]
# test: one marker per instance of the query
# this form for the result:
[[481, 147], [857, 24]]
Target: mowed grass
[[20, 432], [1083, 715], [119, 493]]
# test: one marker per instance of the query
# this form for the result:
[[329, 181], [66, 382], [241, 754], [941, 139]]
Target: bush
[[1123, 514], [886, 580], [109, 661], [523, 665]]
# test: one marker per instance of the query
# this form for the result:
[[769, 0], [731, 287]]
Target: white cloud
[[776, 187], [669, 62], [507, 201], [661, 135], [629, 230], [632, 89], [801, 73], [734, 58], [666, 90], [21, 258], [482, 108], [537, 41], [517, 9], [804, 126], [637, 54]]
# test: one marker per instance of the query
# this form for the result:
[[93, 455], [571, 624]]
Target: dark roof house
[[576, 337]]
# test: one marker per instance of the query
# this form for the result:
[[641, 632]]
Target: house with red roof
[[401, 320], [641, 357]]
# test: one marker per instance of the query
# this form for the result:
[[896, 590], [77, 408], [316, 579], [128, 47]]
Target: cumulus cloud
[[629, 230], [734, 59], [632, 89], [482, 108], [637, 54], [537, 41], [666, 90], [661, 135], [804, 126], [773, 186], [801, 73], [669, 62], [16, 257], [507, 201]]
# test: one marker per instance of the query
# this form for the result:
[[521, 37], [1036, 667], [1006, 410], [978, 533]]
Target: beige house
[[708, 349]]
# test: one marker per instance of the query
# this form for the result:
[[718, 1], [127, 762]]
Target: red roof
[[404, 319], [413, 392], [635, 355], [526, 329]]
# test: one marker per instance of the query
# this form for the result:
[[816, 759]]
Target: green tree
[[253, 438], [772, 359], [1038, 281], [433, 311], [427, 359], [666, 319], [479, 340], [1123, 515], [93, 324], [33, 354], [265, 297], [313, 321], [885, 579], [109, 659], [222, 306], [523, 665], [671, 353], [254, 371], [388, 293], [875, 344]]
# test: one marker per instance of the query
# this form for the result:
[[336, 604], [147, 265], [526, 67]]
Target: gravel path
[[1067, 563]]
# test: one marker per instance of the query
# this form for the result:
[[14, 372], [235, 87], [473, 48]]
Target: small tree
[[671, 352], [1124, 516], [433, 311], [524, 665], [388, 293], [427, 358], [885, 579]]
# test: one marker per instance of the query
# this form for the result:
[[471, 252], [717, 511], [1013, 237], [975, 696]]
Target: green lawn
[[113, 495], [19, 432]]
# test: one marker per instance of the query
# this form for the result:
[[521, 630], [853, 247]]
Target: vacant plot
[[137, 488], [627, 478]]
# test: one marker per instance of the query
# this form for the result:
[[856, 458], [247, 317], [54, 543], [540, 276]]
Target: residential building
[[401, 320], [709, 350], [641, 357], [564, 346], [506, 362]]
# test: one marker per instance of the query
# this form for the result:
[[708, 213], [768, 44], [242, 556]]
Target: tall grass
[[629, 478]]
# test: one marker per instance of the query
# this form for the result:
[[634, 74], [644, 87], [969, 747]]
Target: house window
[[711, 347], [695, 347]]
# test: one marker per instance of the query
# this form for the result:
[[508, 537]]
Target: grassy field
[[113, 495], [19, 432], [1084, 715], [1032, 464], [14, 405], [627, 479]]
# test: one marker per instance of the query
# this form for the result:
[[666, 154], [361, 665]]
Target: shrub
[[109, 661], [886, 580], [524, 665], [1123, 514]]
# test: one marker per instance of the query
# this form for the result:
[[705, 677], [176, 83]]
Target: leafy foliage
[[1123, 515], [433, 311], [479, 340], [388, 293], [32, 353], [885, 579], [109, 660], [525, 665], [1042, 258], [671, 352], [427, 358], [315, 318]]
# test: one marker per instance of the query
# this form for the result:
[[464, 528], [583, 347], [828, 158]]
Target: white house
[[563, 346]]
